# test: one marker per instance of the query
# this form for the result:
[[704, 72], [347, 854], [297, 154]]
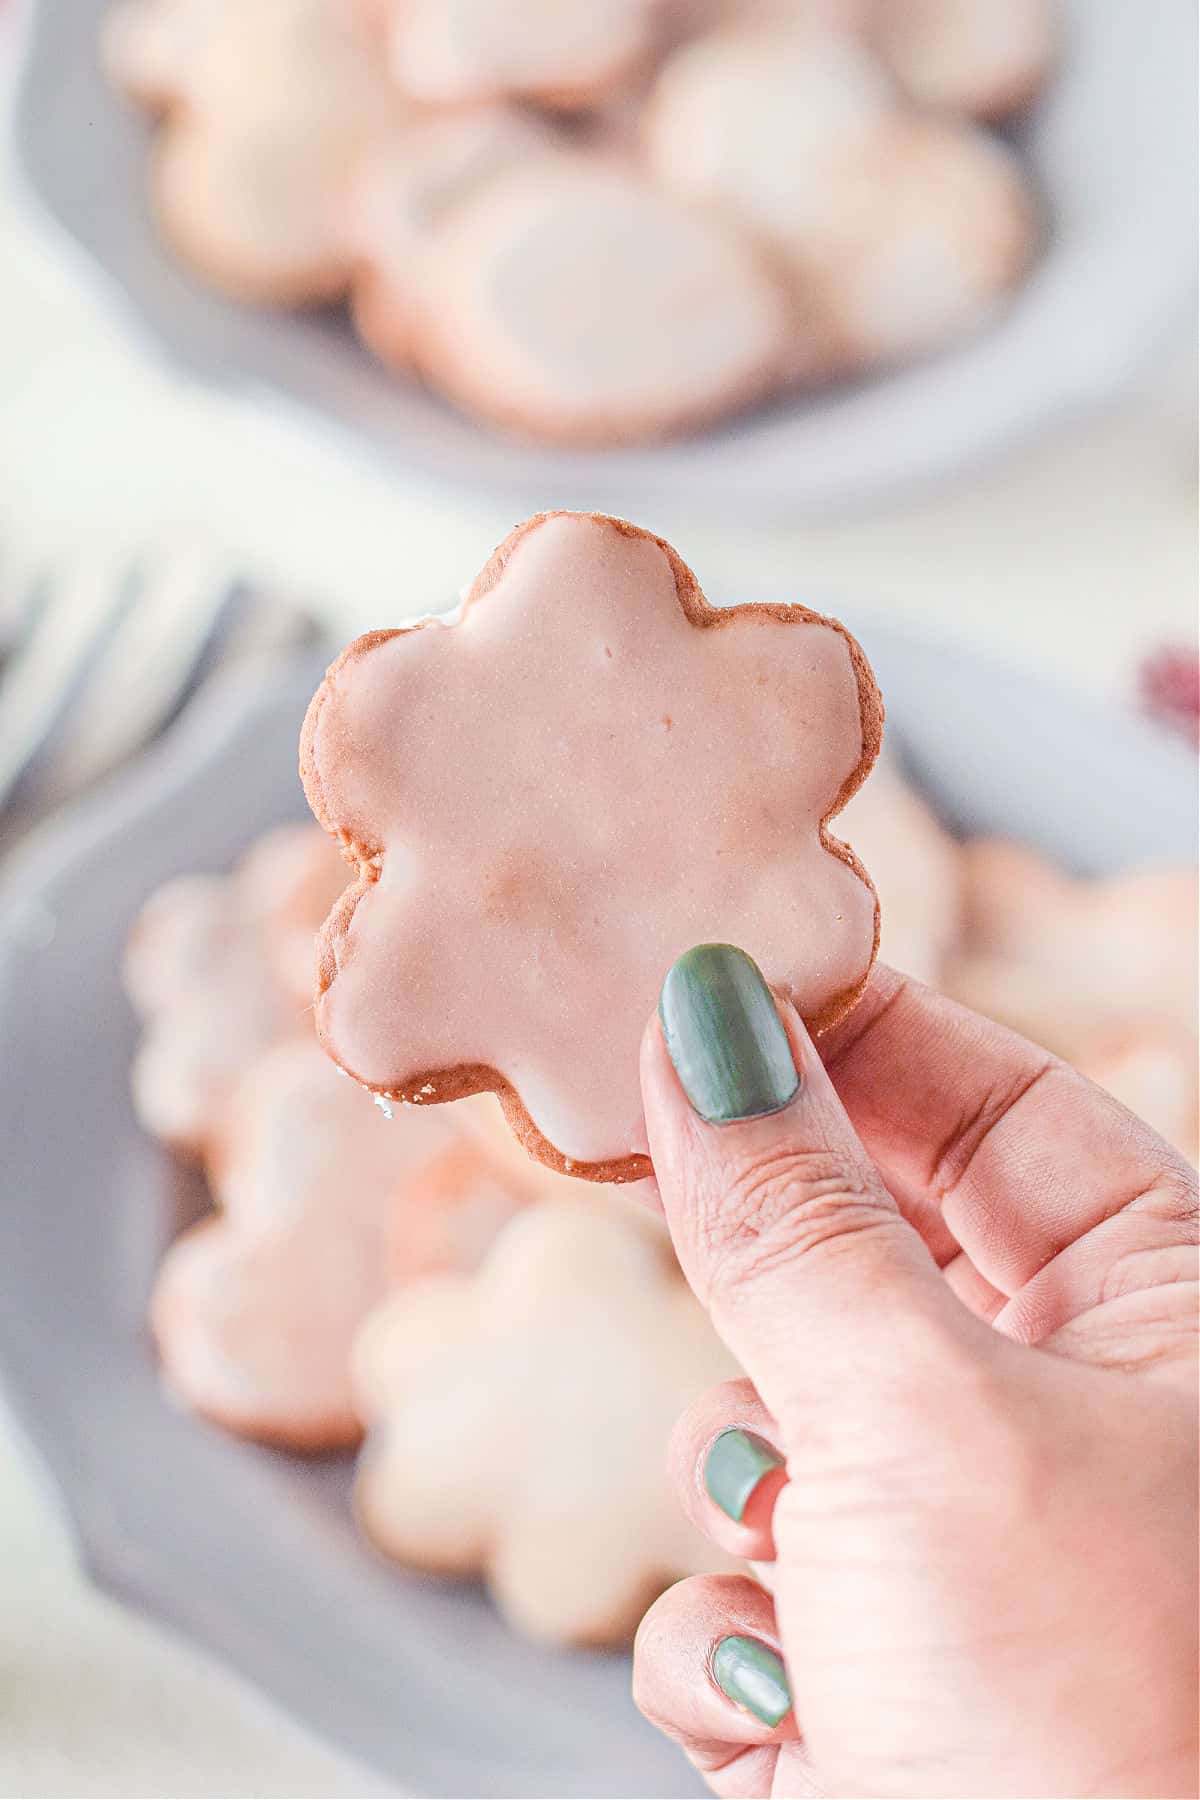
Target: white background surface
[[1074, 558]]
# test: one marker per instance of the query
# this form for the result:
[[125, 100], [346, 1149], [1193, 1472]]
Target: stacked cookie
[[599, 221]]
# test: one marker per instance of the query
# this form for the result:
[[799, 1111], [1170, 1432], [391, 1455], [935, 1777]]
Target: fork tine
[[70, 616]]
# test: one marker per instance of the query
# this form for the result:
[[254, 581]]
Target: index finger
[[983, 1139]]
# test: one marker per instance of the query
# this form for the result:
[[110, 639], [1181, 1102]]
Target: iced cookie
[[255, 1309], [737, 115], [1063, 959], [552, 798], [572, 301], [899, 232], [916, 868], [454, 1207], [457, 1203], [986, 58], [566, 53], [1152, 1071], [404, 189], [149, 48], [220, 968], [938, 230], [488, 1401], [268, 108], [699, 17], [1102, 972]]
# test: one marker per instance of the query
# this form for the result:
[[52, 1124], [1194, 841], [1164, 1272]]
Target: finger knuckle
[[1174, 1201], [778, 1208]]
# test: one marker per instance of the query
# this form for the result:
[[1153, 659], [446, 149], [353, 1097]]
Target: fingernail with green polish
[[752, 1675], [725, 1036], [735, 1464]]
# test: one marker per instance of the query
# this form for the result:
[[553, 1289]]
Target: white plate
[[1112, 145], [249, 1551]]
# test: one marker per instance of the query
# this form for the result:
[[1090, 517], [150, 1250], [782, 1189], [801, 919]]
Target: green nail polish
[[725, 1037], [752, 1675], [735, 1464]]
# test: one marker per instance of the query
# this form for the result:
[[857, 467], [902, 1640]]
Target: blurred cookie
[[937, 230], [458, 1202], [750, 120], [405, 187], [915, 866], [254, 1310], [150, 48], [684, 20], [1102, 972], [518, 1421], [573, 302], [986, 58], [1075, 957], [561, 53], [1153, 1072], [899, 232], [268, 108], [737, 115], [220, 968], [454, 1207]]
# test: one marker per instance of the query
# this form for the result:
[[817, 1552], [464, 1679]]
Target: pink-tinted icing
[[570, 786]]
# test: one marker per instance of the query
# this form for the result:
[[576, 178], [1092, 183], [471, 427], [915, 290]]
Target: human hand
[[961, 1280]]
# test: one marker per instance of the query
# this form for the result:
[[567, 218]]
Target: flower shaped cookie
[[269, 106], [899, 230], [572, 301], [518, 1420], [255, 1309], [552, 798], [220, 968]]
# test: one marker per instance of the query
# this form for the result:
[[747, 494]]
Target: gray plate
[[1112, 146], [250, 1552]]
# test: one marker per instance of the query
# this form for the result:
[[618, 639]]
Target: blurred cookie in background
[[598, 222], [405, 188], [255, 1310], [517, 1420], [220, 968], [897, 232], [572, 301], [265, 110], [1101, 972], [567, 54], [916, 868], [985, 58]]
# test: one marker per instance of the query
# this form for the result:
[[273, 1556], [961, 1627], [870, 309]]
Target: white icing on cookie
[[899, 232], [567, 52], [573, 301], [556, 797], [486, 1400], [982, 57]]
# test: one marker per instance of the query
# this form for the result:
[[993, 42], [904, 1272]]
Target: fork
[[98, 656]]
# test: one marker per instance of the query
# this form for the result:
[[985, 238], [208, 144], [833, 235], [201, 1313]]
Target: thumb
[[780, 1220]]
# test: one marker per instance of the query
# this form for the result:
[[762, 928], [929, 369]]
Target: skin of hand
[[962, 1282]]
